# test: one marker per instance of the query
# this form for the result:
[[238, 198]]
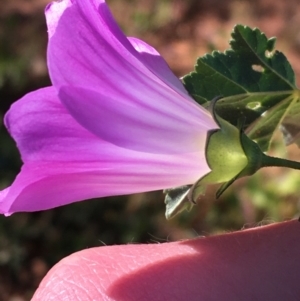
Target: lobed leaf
[[257, 85]]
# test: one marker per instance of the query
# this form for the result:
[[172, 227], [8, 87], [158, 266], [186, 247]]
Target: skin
[[257, 264]]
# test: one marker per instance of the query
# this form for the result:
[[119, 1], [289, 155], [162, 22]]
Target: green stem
[[268, 161]]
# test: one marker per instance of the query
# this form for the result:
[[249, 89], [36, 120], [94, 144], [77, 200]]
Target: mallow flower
[[115, 121]]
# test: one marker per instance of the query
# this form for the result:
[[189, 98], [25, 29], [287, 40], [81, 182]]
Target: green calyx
[[230, 154], [227, 159]]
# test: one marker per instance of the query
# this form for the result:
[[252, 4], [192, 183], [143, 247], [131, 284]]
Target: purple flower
[[116, 120]]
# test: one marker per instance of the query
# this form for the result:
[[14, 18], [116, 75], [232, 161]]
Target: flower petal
[[87, 48], [123, 77], [139, 118], [41, 185], [44, 130], [157, 64], [65, 163]]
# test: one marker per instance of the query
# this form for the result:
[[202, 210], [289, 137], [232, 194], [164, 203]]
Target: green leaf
[[256, 82]]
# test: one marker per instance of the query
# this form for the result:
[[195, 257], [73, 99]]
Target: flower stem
[[274, 161]]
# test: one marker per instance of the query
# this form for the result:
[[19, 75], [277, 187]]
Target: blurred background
[[181, 30]]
